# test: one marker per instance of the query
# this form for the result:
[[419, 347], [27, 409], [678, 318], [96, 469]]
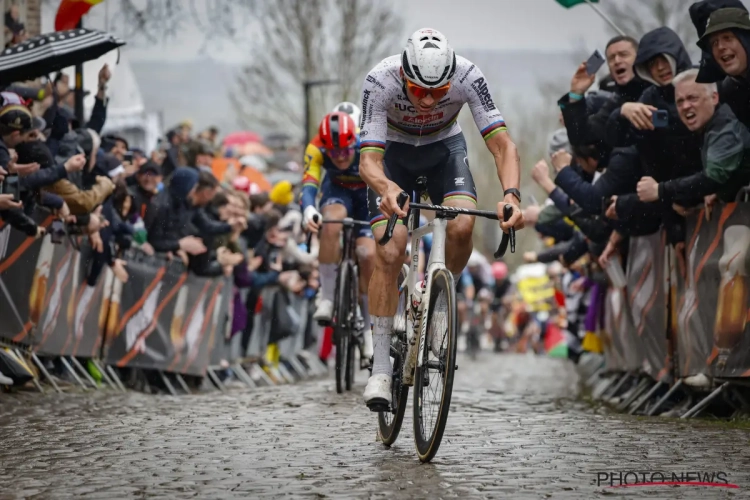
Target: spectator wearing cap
[[16, 126], [726, 43], [147, 179]]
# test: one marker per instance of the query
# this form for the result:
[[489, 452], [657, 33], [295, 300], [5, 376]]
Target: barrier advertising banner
[[168, 321], [22, 294], [647, 297], [713, 333]]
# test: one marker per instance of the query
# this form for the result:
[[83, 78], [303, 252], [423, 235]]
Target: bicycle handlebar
[[509, 237], [347, 222]]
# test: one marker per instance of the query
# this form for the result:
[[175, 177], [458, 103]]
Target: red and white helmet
[[337, 131], [350, 109], [428, 60]]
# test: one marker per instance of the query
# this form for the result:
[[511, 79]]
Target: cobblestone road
[[516, 430]]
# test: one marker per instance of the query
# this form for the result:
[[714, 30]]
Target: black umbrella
[[50, 52]]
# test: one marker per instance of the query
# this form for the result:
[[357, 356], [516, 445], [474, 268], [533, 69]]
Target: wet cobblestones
[[516, 430]]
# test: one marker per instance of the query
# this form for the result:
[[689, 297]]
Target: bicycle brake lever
[[509, 237], [403, 197], [507, 214], [310, 235]]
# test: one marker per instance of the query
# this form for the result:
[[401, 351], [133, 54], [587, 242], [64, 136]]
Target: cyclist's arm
[[312, 176], [372, 171], [491, 125]]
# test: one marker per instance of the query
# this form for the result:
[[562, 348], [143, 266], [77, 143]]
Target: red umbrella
[[241, 138]]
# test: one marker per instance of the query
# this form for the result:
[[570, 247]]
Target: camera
[[57, 231]]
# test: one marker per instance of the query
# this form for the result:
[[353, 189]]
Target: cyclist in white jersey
[[409, 129]]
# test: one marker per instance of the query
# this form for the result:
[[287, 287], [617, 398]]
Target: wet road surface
[[516, 430]]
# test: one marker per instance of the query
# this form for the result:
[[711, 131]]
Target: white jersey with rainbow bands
[[387, 114]]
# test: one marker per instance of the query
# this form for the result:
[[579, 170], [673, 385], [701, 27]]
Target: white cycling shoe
[[378, 392], [324, 312]]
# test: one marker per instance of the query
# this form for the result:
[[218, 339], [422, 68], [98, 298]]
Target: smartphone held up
[[594, 62]]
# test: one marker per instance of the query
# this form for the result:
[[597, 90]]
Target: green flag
[[572, 3]]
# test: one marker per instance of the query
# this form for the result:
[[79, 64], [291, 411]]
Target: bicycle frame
[[436, 261], [348, 249]]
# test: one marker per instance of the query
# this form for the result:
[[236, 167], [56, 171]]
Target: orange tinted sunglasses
[[421, 92]]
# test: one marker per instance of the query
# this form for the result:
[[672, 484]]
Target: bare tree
[[638, 17], [161, 21], [307, 40]]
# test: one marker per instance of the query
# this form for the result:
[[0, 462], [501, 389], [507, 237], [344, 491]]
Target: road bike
[[347, 321], [423, 343]]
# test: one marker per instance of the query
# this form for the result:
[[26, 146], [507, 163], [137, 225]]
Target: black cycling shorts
[[443, 163]]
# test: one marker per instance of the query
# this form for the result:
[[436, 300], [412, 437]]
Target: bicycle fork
[[416, 329]]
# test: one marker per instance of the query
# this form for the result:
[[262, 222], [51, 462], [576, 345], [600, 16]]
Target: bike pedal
[[456, 367], [378, 405]]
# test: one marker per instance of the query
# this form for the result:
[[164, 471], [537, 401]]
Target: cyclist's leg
[[366, 262], [452, 185], [383, 293], [332, 207]]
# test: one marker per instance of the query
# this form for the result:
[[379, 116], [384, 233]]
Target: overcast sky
[[541, 25]]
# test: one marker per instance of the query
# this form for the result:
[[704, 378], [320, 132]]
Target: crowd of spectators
[[662, 136], [166, 203]]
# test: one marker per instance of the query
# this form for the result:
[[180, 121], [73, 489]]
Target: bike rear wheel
[[389, 422], [341, 332], [433, 381]]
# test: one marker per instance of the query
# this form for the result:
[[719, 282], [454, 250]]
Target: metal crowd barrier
[[164, 319], [678, 318]]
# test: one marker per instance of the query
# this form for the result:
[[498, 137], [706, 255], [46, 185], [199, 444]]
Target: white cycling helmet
[[349, 108], [428, 60]]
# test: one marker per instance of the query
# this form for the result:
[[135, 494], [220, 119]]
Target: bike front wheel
[[433, 380], [341, 332]]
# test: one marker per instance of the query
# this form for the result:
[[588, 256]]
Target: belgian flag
[[70, 13]]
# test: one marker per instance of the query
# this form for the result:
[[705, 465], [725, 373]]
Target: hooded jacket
[[665, 153], [581, 117], [171, 216], [168, 216], [734, 91]]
